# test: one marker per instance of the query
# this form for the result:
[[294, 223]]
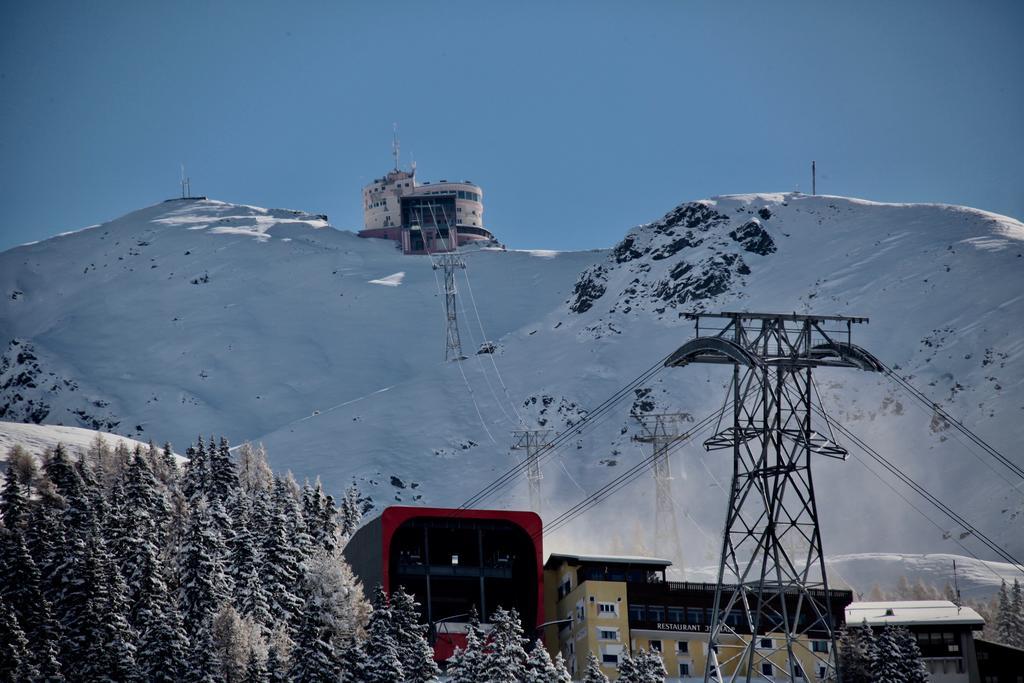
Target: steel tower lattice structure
[[661, 430], [533, 441], [771, 547], [453, 343]]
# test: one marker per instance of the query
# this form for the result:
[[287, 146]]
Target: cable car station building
[[614, 605], [424, 218]]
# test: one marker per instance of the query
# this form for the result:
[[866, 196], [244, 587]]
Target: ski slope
[[194, 317]]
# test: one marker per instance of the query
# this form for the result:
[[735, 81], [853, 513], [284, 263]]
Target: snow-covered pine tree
[[504, 656], [539, 667], [250, 597], [202, 665], [351, 515], [1004, 617], [201, 571], [314, 659], [383, 664], [354, 661], [163, 646], [628, 671], [277, 670], [14, 500], [1016, 615], [281, 560], [414, 652], [650, 667], [197, 471], [21, 582], [593, 674], [912, 666], [15, 658], [255, 669], [856, 652], [562, 674], [466, 665], [223, 484], [886, 666]]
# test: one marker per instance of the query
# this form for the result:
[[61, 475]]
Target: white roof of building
[[611, 559], [905, 612]]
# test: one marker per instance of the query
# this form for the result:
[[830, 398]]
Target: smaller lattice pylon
[[533, 441], [453, 343], [662, 431]]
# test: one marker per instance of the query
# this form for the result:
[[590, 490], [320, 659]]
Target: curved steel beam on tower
[[712, 350], [848, 353]]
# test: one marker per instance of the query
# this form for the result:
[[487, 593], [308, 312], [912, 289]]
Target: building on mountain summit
[[424, 218]]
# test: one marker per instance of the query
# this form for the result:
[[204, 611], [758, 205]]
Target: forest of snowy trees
[[127, 566], [891, 655]]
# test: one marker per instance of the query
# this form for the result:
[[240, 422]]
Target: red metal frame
[[393, 517]]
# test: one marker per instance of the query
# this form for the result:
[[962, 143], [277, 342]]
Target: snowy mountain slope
[[209, 317], [37, 439]]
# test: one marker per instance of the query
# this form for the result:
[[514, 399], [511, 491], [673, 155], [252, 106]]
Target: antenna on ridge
[[183, 181], [394, 143]]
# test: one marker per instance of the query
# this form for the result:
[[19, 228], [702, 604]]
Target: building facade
[[614, 605], [944, 632], [424, 217]]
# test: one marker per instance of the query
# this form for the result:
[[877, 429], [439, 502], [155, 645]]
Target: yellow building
[[615, 605]]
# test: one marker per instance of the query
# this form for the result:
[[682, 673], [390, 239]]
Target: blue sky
[[579, 119]]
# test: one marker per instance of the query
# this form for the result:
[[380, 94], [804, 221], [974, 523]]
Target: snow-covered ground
[[205, 317], [38, 439]]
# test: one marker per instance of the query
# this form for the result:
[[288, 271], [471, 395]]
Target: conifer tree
[[1004, 617], [466, 665], [650, 667], [504, 657], [856, 653], [593, 673], [561, 670], [255, 669], [203, 586], [351, 515], [539, 667], [13, 501], [383, 664], [163, 646], [912, 667], [197, 472], [628, 671], [276, 668], [314, 659], [355, 663], [280, 570], [886, 666], [202, 664], [15, 658], [414, 652], [1016, 616]]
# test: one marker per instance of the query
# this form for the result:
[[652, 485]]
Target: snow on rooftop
[[911, 612], [611, 559]]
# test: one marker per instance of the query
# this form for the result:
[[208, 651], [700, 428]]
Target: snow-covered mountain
[[200, 316]]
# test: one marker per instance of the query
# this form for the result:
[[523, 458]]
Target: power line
[[589, 419], [920, 396], [920, 490], [627, 477]]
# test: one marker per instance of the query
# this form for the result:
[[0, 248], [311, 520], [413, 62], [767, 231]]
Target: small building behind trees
[[943, 630]]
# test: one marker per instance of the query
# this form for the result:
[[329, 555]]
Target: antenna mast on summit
[[394, 143]]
